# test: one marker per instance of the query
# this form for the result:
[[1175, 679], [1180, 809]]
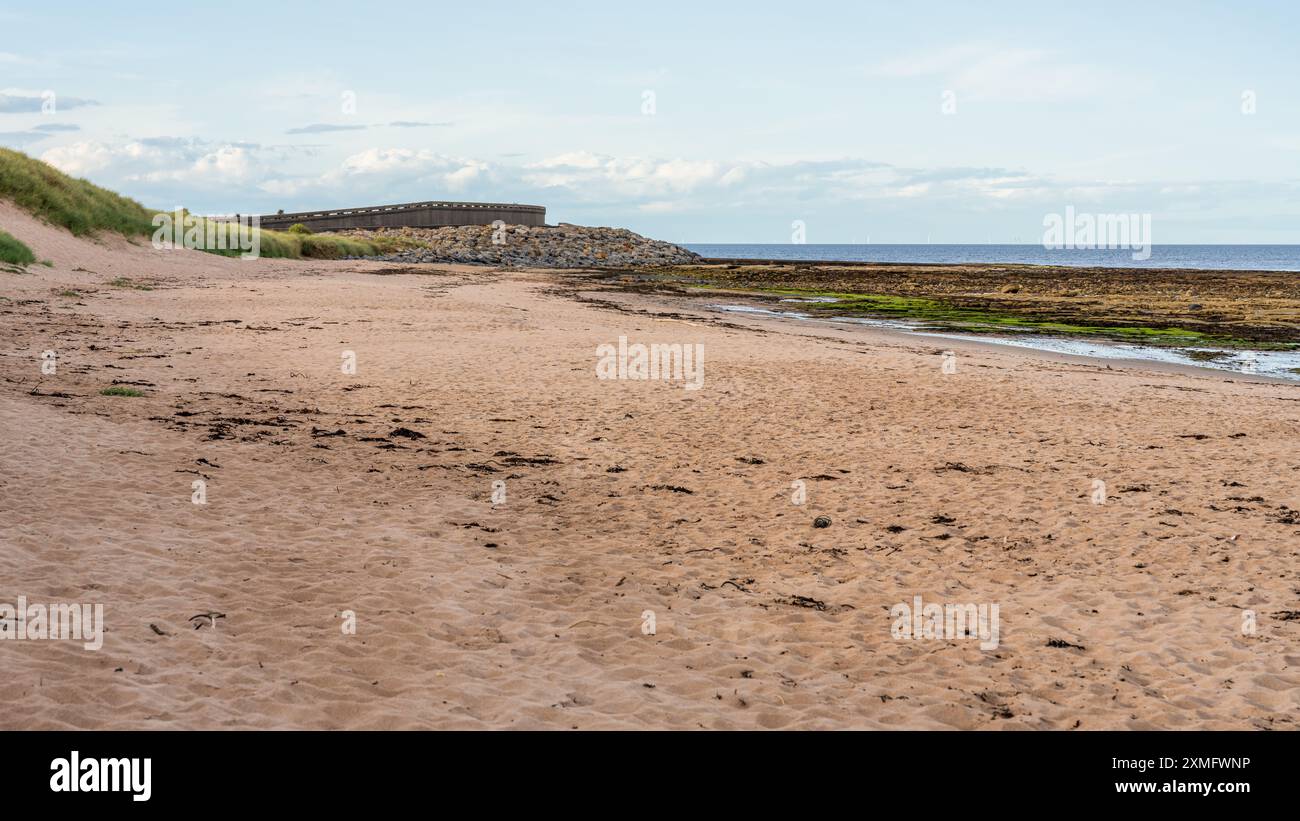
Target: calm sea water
[[1216, 257]]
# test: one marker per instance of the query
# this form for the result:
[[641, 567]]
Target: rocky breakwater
[[560, 246]]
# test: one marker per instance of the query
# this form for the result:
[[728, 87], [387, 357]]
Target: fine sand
[[372, 493]]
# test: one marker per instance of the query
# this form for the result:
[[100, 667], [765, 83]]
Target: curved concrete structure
[[411, 215]]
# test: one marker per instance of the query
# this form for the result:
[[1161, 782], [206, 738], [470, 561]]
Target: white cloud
[[928, 63], [734, 176], [384, 160], [228, 162], [466, 174], [230, 177], [987, 72], [573, 159], [663, 207], [381, 170], [81, 158], [629, 177], [158, 159]]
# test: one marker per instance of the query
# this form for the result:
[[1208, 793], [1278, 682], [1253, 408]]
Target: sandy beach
[[333, 496]]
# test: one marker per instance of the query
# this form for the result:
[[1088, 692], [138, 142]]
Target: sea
[[1210, 257]]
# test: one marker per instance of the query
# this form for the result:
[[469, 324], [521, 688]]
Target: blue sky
[[763, 114]]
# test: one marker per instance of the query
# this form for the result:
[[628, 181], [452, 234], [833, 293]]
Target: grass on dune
[[78, 205], [85, 208], [14, 252], [285, 244], [121, 390]]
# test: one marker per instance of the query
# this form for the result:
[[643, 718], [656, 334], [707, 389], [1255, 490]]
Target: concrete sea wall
[[410, 215]]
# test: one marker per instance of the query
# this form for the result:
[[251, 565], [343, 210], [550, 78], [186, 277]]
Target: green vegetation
[[1208, 356], [123, 282], [14, 252], [1255, 310], [938, 315], [286, 244], [77, 205], [331, 247], [70, 294], [299, 228], [970, 320], [121, 390], [84, 208]]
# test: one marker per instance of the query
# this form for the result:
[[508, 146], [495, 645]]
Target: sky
[[948, 122]]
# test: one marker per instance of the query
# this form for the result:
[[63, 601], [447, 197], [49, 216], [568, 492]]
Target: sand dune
[[621, 497]]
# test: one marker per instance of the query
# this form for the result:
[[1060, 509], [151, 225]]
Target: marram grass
[[85, 208], [78, 205], [14, 252]]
